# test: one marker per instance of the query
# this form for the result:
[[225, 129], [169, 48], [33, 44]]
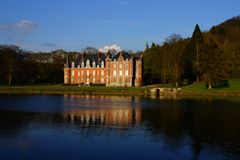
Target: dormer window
[[73, 65], [102, 64], [94, 64], [88, 63]]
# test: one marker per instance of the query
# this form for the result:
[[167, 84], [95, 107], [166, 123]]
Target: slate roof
[[124, 54], [98, 58]]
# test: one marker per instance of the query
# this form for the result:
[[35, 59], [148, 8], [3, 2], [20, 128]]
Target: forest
[[212, 57]]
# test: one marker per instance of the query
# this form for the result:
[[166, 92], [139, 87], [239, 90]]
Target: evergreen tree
[[213, 65], [197, 43], [147, 46]]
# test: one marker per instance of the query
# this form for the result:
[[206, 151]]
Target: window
[[82, 65], [120, 66], [72, 72], [120, 73], [102, 73], [126, 72], [87, 73], [93, 72], [114, 66], [115, 73]]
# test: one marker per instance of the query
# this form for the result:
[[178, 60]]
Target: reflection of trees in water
[[198, 123], [174, 123], [88, 122], [13, 123], [206, 122]]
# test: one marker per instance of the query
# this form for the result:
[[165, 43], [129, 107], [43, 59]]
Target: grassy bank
[[62, 89], [193, 90], [199, 89]]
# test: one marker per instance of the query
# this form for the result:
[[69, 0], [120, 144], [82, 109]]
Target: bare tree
[[176, 55], [9, 56]]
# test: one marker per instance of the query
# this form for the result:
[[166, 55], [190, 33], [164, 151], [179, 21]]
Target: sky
[[46, 25]]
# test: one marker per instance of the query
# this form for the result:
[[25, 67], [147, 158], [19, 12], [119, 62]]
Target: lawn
[[197, 89], [200, 88], [65, 89]]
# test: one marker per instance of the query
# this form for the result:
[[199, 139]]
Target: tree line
[[23, 67], [19, 66], [212, 57]]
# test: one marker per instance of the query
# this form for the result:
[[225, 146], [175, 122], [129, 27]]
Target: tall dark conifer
[[147, 46], [197, 43]]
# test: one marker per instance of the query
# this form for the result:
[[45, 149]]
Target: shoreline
[[211, 93], [124, 91], [74, 90]]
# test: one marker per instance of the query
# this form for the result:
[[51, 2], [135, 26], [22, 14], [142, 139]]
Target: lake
[[116, 127]]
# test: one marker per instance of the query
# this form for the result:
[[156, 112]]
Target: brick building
[[119, 70]]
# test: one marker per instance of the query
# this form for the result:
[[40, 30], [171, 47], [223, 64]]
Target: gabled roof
[[124, 54]]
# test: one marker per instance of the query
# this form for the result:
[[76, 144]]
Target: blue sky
[[45, 25]]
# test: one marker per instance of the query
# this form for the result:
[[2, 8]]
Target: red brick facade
[[121, 70]]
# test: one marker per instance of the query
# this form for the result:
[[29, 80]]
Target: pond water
[[112, 127]]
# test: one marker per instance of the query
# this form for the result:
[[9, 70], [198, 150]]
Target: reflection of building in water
[[73, 102], [110, 116]]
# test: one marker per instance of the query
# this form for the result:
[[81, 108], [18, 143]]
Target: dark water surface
[[108, 127]]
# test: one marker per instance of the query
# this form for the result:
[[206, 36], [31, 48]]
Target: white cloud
[[22, 27], [17, 32], [105, 49]]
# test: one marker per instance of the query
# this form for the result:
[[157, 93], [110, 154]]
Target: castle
[[105, 69]]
